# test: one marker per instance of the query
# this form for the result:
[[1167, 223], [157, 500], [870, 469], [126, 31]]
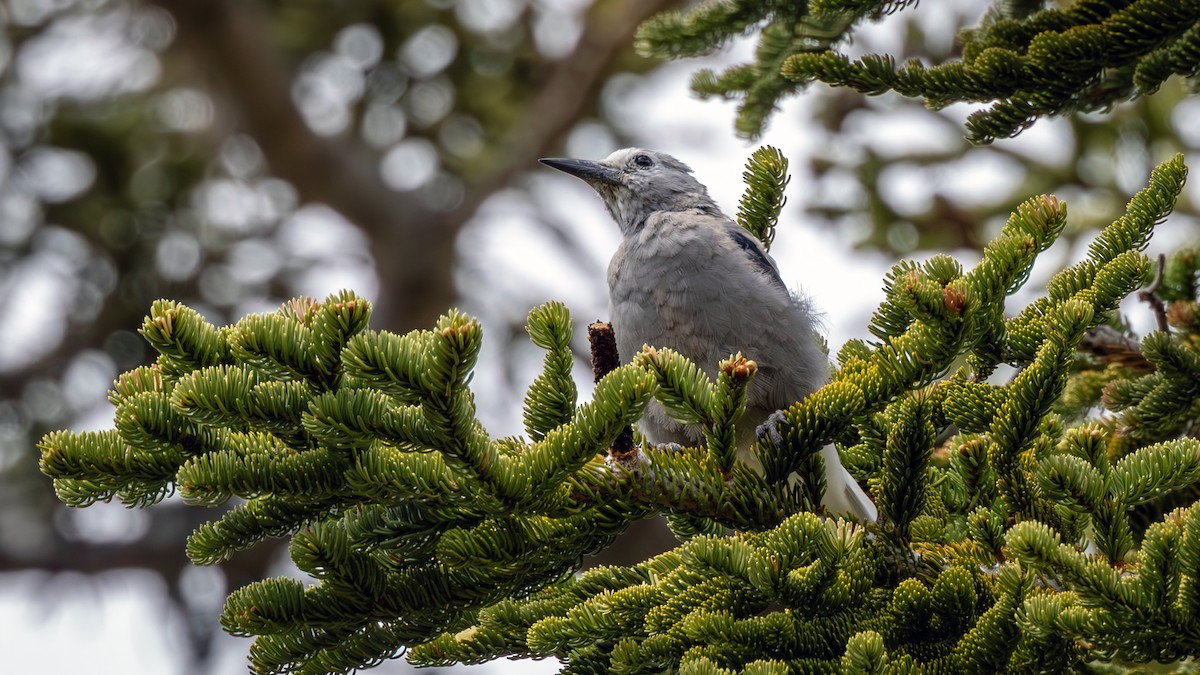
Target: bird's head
[[635, 183]]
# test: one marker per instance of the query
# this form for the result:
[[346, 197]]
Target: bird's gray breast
[[684, 281], [660, 286]]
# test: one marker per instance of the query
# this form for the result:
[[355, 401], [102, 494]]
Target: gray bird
[[689, 278]]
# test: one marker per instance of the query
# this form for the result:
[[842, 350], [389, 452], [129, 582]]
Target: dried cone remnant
[[605, 358]]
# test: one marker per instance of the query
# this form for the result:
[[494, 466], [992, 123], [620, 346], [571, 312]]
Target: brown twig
[[1148, 296], [605, 359]]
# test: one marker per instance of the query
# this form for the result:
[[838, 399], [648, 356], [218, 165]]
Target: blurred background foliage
[[234, 154], [231, 154]]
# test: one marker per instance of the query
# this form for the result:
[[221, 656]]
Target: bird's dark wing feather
[[758, 256]]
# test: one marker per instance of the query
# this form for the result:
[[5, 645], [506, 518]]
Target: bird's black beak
[[585, 169]]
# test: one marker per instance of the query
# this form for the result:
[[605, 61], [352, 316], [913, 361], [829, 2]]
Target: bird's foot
[[771, 428]]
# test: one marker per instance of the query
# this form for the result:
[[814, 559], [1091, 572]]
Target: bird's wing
[[753, 248]]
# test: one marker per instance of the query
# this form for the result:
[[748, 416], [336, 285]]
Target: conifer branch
[[423, 533], [766, 177], [1025, 64]]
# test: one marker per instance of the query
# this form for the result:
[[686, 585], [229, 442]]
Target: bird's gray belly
[[672, 314]]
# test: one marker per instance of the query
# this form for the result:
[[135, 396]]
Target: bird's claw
[[771, 428]]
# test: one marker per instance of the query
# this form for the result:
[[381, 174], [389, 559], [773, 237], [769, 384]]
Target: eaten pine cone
[[605, 358]]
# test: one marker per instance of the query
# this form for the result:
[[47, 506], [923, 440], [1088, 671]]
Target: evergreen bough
[[1039, 536], [1027, 61]]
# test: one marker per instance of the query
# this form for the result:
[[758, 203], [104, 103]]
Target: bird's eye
[[643, 161]]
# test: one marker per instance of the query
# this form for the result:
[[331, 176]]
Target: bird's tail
[[842, 493]]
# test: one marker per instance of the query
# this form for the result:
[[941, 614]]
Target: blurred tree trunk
[[413, 244]]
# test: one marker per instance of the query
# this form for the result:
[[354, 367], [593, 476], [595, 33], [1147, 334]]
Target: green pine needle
[[766, 177]]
